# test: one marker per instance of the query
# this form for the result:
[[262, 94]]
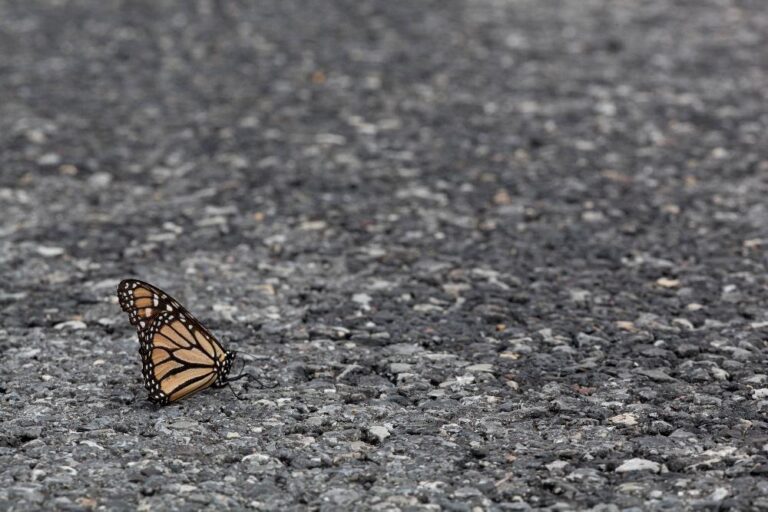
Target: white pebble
[[628, 419], [380, 432], [49, 252], [639, 465], [71, 324]]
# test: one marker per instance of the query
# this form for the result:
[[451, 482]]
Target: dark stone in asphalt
[[495, 255]]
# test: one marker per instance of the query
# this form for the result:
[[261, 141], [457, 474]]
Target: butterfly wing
[[143, 302], [179, 355]]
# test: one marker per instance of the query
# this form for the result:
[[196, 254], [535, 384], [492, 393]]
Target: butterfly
[[179, 355]]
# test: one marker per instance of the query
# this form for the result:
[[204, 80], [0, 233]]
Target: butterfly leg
[[233, 392], [251, 377], [229, 385]]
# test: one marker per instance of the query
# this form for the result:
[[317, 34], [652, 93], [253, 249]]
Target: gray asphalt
[[493, 255]]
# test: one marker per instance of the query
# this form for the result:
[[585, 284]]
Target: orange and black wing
[[143, 302], [180, 357]]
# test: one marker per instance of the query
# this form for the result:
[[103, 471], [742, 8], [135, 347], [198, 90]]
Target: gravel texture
[[496, 255]]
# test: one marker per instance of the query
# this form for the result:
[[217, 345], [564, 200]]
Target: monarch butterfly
[[179, 355]]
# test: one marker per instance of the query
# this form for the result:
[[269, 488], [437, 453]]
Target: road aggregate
[[485, 255]]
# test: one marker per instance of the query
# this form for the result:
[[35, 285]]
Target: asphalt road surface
[[492, 255]]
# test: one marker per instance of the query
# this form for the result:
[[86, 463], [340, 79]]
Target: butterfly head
[[229, 358]]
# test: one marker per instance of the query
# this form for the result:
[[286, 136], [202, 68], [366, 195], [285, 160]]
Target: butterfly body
[[179, 355]]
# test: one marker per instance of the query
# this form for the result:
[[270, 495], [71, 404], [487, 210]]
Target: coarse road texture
[[496, 255]]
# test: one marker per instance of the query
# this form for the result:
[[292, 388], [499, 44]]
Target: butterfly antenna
[[250, 377], [252, 356], [243, 375]]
